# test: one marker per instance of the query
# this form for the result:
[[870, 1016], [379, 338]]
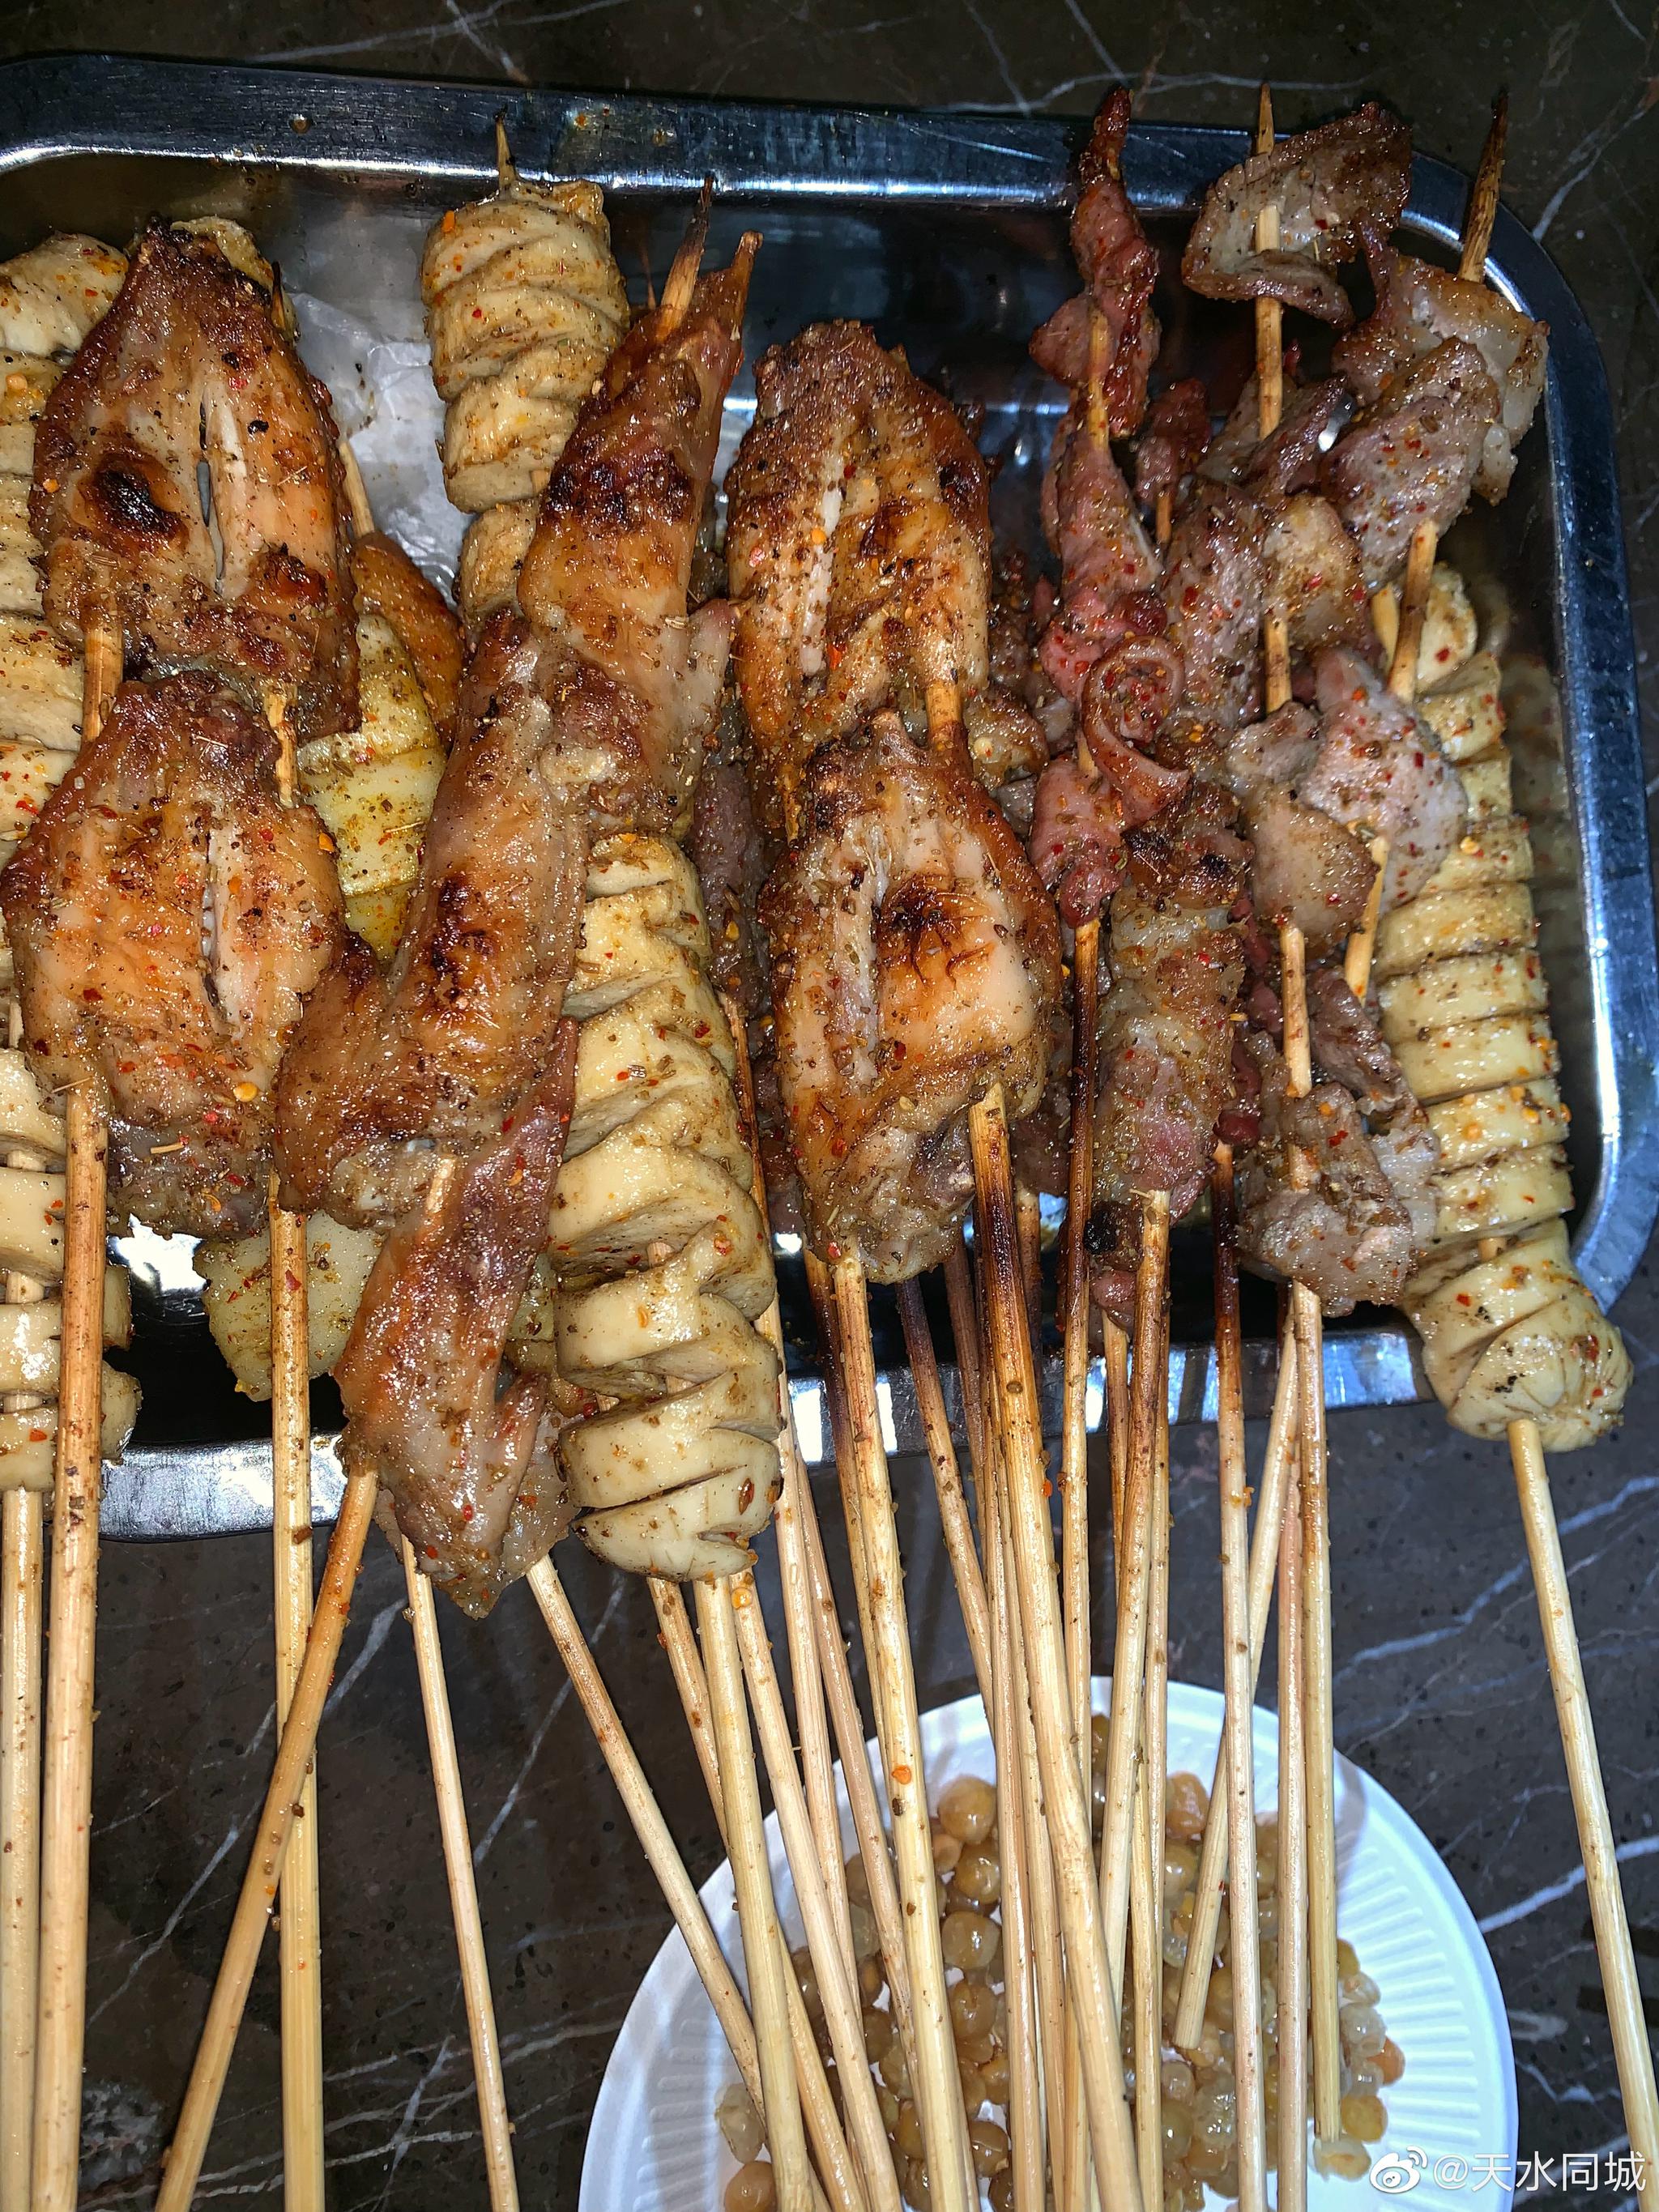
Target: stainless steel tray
[[948, 232]]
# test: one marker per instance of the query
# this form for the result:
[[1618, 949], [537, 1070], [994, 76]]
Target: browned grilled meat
[[1312, 575], [1119, 267], [1412, 455], [1166, 1034], [1361, 1225], [386, 1069], [915, 963], [389, 583], [468, 1466], [190, 368], [1109, 571], [627, 671], [858, 548], [1173, 441], [1418, 307], [1340, 190], [166, 916], [1308, 868], [1213, 588], [1287, 459], [1381, 769]]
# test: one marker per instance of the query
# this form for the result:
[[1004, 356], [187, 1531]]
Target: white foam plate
[[654, 2146]]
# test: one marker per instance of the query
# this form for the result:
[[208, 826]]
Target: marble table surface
[[1441, 1687]]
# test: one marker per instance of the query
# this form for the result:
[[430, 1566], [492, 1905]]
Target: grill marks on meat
[[1419, 306], [432, 1054], [1381, 769], [167, 915], [1412, 455], [858, 548], [189, 368], [1340, 190], [1119, 267], [915, 963], [606, 576], [470, 1466], [1166, 1035], [1363, 1223]]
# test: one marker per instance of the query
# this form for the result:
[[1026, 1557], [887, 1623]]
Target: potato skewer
[[49, 299]]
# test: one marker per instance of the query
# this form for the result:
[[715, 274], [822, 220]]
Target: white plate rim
[[1193, 1709]]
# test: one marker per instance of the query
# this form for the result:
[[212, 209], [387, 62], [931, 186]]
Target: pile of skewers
[[473, 995]]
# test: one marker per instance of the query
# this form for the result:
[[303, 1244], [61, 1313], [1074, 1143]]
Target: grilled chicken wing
[[167, 916], [190, 369], [469, 1465], [915, 961], [385, 1068], [606, 575], [858, 549]]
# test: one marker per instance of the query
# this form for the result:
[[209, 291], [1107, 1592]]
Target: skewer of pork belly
[[1106, 651], [808, 587], [188, 369], [50, 297]]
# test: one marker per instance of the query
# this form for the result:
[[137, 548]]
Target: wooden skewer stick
[[1216, 1850], [1633, 2051], [299, 1927], [639, 1801], [22, 1592], [1236, 1762], [1074, 1299], [794, 1509], [258, 1891], [496, 2128], [764, 1952], [66, 1804], [291, 1387], [837, 1979], [1308, 1321], [1094, 1987], [947, 1482], [937, 2084], [22, 1570], [829, 2149], [1292, 1862], [1147, 1384]]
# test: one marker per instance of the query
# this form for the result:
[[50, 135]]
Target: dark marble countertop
[[1441, 1687]]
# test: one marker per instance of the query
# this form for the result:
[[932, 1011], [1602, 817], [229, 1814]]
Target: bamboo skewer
[[1314, 1643], [1236, 1761], [22, 1591], [837, 1981], [495, 2126], [1216, 1851], [764, 1952], [300, 1930], [938, 2095], [1292, 1861], [1147, 1385], [790, 1519], [640, 1804], [947, 1482], [1025, 1503], [66, 1799], [258, 1891], [22, 1566], [829, 2150]]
